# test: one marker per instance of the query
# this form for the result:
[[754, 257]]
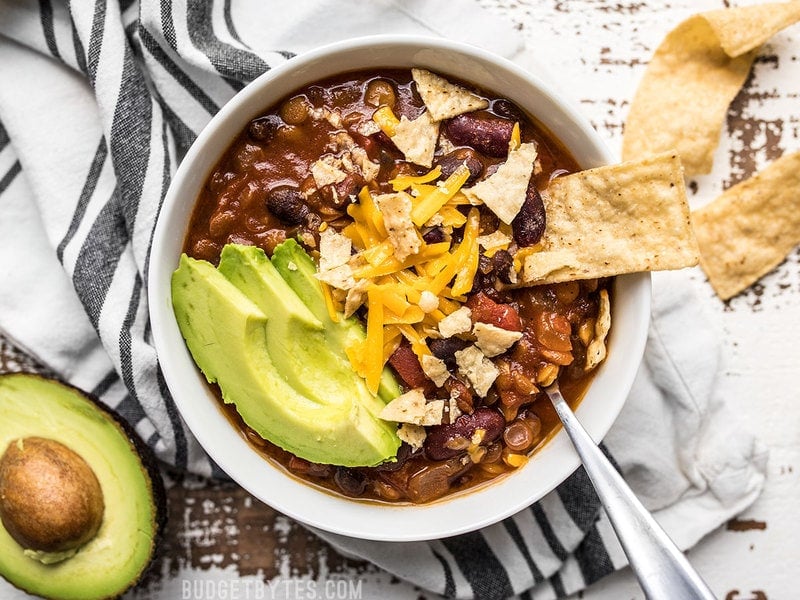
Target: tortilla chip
[[751, 227], [396, 211], [612, 220], [504, 190], [417, 139], [693, 76], [746, 28], [596, 352], [444, 99]]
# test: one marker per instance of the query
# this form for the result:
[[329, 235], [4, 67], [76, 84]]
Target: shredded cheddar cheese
[[407, 293], [386, 120]]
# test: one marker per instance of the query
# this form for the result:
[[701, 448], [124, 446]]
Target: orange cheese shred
[[373, 347], [403, 182], [427, 205], [386, 120]]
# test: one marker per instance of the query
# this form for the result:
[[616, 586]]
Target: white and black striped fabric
[[98, 103]]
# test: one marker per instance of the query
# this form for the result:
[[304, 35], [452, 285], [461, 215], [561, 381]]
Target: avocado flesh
[[298, 270], [112, 561], [272, 359]]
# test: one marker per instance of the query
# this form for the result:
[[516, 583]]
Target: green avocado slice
[[135, 506], [298, 270], [249, 332]]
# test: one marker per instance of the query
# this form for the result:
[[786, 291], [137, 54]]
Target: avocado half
[[94, 505]]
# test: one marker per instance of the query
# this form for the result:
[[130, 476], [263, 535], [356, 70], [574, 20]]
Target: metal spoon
[[663, 571]]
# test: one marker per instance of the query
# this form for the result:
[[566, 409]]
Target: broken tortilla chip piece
[[444, 99], [749, 230], [416, 139], [613, 220], [504, 190], [693, 76]]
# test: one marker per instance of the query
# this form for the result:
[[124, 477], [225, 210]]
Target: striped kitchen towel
[[98, 103]]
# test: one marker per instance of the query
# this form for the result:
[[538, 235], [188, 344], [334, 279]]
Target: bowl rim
[[300, 500]]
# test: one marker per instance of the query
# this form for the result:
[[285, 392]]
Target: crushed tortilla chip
[[412, 407], [596, 352], [494, 340], [435, 368], [417, 139], [477, 369], [334, 256], [504, 190], [748, 230], [459, 321], [444, 99], [327, 170], [693, 76], [613, 220], [413, 435], [396, 211]]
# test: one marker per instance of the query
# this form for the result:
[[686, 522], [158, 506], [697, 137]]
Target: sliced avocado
[[298, 269], [47, 547], [271, 357]]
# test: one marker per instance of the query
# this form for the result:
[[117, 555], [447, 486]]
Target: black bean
[[264, 129], [485, 264], [446, 441], [460, 156], [509, 110], [403, 454], [528, 226], [502, 263], [287, 203], [350, 481], [445, 349], [433, 236], [483, 131]]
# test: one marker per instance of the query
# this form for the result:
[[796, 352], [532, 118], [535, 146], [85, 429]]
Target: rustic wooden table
[[222, 543]]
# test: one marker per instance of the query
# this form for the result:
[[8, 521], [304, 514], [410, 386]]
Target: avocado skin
[[250, 333], [149, 468]]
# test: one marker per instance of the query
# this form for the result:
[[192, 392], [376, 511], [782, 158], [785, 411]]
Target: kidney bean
[[264, 129], [287, 203], [221, 222], [434, 481], [529, 224], [483, 131], [350, 481], [406, 363], [461, 156], [206, 249], [442, 440]]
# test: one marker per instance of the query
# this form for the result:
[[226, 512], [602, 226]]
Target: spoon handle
[[663, 571]]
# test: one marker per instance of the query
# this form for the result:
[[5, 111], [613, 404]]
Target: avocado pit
[[51, 502]]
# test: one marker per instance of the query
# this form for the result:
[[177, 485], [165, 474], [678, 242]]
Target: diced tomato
[[486, 310]]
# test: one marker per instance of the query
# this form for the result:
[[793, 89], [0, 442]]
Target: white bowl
[[303, 502]]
